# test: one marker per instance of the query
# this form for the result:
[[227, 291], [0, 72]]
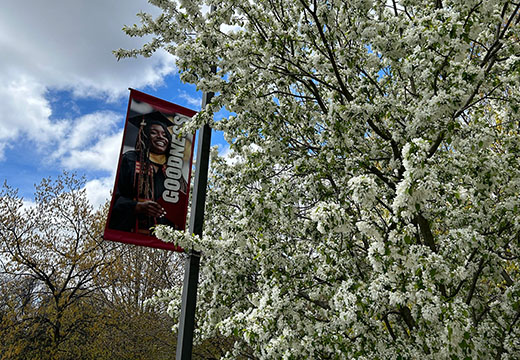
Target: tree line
[[65, 293]]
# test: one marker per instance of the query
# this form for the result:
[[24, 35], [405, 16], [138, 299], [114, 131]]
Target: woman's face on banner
[[158, 139]]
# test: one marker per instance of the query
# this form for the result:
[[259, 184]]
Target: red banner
[[153, 178]]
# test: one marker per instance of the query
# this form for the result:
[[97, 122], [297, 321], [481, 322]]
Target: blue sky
[[64, 95]]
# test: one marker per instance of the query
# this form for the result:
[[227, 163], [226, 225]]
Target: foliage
[[54, 247], [369, 207], [65, 293]]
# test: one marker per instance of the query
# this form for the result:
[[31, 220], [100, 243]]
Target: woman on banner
[[141, 177]]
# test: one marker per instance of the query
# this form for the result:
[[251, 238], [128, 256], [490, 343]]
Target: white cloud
[[28, 204], [191, 100], [98, 191], [82, 132], [93, 142], [224, 150], [225, 28], [231, 158], [67, 45], [24, 110], [102, 156], [91, 126]]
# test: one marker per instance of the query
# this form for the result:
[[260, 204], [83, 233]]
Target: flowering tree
[[369, 206]]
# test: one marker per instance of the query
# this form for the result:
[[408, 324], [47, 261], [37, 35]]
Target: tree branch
[[426, 233], [474, 281]]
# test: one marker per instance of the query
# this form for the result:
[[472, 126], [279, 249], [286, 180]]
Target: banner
[[153, 178]]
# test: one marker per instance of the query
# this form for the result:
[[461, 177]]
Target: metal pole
[[191, 270], [189, 302]]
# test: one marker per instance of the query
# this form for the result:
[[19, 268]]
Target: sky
[[64, 95]]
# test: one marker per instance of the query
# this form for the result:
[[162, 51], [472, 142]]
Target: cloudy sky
[[64, 95]]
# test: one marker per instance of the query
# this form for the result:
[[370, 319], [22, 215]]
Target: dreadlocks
[[144, 170]]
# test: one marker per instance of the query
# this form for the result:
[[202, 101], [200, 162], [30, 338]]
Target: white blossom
[[369, 207]]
